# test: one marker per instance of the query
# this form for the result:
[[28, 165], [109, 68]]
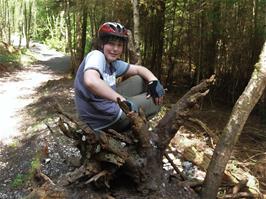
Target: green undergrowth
[[12, 58], [22, 179], [7, 58]]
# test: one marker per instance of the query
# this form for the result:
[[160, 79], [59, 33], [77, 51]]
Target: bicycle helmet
[[113, 29]]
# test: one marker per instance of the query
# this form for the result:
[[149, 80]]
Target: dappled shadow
[[17, 91], [54, 91], [25, 108], [59, 65]]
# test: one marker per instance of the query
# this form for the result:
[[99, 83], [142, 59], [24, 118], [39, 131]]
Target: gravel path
[[18, 90]]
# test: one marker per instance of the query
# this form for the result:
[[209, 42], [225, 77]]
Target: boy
[[96, 91]]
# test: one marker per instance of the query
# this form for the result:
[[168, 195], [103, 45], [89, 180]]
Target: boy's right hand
[[132, 106]]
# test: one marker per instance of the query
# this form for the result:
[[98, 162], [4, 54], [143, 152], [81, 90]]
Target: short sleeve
[[95, 60], [121, 67]]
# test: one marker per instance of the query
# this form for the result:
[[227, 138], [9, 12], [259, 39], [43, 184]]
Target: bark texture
[[135, 5]]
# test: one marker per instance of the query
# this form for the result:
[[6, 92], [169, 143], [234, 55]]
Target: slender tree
[[81, 26], [233, 128], [28, 12], [135, 5]]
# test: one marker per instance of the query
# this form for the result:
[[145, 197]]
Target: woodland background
[[181, 41]]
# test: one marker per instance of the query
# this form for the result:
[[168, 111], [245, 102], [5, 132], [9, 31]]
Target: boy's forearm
[[143, 72], [101, 89]]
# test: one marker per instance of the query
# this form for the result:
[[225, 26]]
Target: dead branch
[[120, 137], [91, 136], [104, 175], [242, 195], [49, 128], [189, 183], [205, 128], [139, 127], [168, 126], [112, 145], [174, 166], [41, 178]]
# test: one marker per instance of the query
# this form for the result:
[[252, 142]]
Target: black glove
[[133, 107], [155, 89]]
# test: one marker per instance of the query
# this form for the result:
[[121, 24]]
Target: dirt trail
[[19, 89]]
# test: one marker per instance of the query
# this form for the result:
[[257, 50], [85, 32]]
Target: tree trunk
[[81, 26], [27, 21], [210, 54], [136, 37], [70, 47], [232, 130]]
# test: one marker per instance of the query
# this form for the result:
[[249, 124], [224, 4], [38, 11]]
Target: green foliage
[[19, 180], [224, 37], [56, 43], [35, 164], [18, 57], [9, 58]]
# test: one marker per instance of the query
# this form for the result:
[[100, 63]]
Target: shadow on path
[[54, 60], [21, 88], [60, 65]]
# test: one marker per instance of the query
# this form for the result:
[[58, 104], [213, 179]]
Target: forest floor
[[30, 139]]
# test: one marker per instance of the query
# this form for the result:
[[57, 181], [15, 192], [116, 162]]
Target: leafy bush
[[12, 58], [56, 43], [9, 58]]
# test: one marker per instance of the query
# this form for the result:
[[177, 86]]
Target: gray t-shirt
[[98, 112]]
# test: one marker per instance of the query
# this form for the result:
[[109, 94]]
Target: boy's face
[[112, 50]]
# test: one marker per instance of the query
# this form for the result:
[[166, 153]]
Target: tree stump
[[137, 153]]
